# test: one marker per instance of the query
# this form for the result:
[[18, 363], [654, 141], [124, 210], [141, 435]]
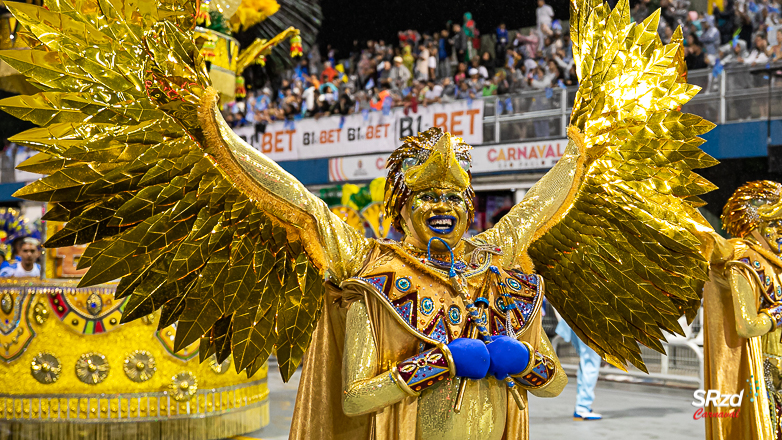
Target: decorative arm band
[[539, 372], [775, 313], [423, 370]]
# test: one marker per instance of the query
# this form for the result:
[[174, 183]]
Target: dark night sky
[[346, 20]]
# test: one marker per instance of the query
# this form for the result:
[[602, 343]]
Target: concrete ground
[[630, 411]]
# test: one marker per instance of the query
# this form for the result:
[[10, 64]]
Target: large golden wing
[[622, 258], [141, 165]]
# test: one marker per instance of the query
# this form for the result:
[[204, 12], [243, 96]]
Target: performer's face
[[438, 213], [771, 231]]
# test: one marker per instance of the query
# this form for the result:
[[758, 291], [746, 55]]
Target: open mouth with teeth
[[442, 224]]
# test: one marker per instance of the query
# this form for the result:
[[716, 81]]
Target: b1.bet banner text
[[361, 133]]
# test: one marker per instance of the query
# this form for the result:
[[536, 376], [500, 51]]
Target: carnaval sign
[[517, 156], [367, 167], [507, 157], [366, 132]]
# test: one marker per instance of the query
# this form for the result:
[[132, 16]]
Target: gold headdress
[[432, 159], [743, 211]]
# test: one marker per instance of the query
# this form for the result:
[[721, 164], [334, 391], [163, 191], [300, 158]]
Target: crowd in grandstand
[[456, 63]]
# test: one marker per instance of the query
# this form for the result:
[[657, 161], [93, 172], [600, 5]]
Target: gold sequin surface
[[142, 167]]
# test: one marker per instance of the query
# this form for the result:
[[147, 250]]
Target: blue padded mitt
[[508, 356], [470, 357]]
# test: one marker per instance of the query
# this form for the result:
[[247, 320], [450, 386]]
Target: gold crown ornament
[[68, 369]]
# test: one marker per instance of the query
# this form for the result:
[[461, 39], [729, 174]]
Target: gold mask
[[750, 205], [432, 159]]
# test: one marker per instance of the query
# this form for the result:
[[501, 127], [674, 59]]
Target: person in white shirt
[[422, 65], [27, 267], [759, 55], [545, 15]]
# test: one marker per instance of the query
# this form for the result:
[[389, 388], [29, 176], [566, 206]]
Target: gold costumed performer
[[742, 307], [198, 223]]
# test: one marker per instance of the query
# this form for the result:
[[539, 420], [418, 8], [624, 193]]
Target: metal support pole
[[722, 115], [496, 122], [563, 107]]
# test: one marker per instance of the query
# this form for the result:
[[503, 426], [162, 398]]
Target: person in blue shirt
[[27, 266]]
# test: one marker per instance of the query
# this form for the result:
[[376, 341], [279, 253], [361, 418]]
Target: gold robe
[[734, 363], [319, 410]]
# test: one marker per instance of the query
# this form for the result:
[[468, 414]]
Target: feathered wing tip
[[123, 145], [624, 263]]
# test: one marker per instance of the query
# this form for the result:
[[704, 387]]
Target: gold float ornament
[[183, 386], [375, 216], [92, 368], [219, 367], [45, 368], [139, 366], [252, 12], [349, 216], [41, 365]]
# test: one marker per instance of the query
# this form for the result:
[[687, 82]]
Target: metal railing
[[733, 95]]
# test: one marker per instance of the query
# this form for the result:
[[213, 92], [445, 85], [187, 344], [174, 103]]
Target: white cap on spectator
[[530, 64], [709, 19], [398, 59], [267, 91], [296, 90], [472, 71]]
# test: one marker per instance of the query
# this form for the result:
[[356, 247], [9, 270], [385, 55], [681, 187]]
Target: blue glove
[[470, 357], [508, 356]]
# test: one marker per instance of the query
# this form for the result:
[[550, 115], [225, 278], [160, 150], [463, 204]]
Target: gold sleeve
[[557, 383], [365, 388], [749, 323], [343, 248], [542, 206]]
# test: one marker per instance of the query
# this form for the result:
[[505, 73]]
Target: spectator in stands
[[776, 50], [461, 73], [759, 54], [710, 38], [476, 80], [449, 91], [432, 60], [501, 45], [465, 91], [399, 76], [544, 15], [444, 50], [695, 57], [329, 73], [27, 265], [422, 64], [432, 93], [345, 105]]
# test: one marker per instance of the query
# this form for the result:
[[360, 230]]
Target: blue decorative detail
[[482, 300], [405, 311], [403, 284], [427, 306], [454, 315], [756, 263], [439, 332], [768, 279], [379, 282], [500, 303], [525, 308], [515, 285], [494, 270]]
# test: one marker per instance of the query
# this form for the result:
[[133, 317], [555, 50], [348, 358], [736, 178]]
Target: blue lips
[[442, 229]]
